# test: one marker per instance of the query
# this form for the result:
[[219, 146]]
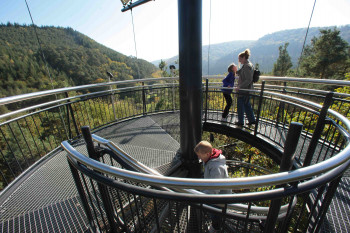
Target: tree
[[162, 67], [327, 56], [284, 62]]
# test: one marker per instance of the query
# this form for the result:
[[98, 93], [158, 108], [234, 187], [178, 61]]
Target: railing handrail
[[308, 172], [236, 183], [115, 91], [304, 186], [291, 79], [143, 168], [13, 99], [16, 98], [275, 87]]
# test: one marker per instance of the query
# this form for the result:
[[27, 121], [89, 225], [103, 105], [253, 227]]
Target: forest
[[59, 57]]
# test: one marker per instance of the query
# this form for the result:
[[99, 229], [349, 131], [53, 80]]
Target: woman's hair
[[203, 147], [230, 67], [245, 54]]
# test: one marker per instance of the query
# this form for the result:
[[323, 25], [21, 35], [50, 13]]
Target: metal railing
[[30, 134], [239, 212], [312, 183], [27, 134], [276, 106]]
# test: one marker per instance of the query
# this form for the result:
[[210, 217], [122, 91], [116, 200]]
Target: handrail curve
[[230, 183], [90, 164], [143, 168], [22, 97]]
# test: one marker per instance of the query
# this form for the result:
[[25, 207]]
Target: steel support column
[[190, 78]]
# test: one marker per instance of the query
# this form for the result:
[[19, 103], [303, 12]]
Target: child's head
[[203, 150], [232, 68]]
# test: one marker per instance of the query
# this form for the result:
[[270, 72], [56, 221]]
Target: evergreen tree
[[284, 62], [163, 66], [327, 56]]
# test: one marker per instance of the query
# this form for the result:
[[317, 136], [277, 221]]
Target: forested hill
[[72, 58], [264, 50]]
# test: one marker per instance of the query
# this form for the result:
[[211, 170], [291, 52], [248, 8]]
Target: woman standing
[[245, 81], [229, 81]]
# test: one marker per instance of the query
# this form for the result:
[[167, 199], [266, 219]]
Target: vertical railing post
[[113, 103], [318, 129], [173, 89], [70, 135], [143, 98], [206, 100], [110, 76], [82, 195], [70, 109], [259, 107], [106, 200], [281, 105], [285, 165]]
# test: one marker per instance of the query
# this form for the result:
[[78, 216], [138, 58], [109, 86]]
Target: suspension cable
[[307, 31], [47, 68], [133, 30], [209, 37], [41, 50]]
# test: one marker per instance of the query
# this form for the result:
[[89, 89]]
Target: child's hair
[[245, 54], [203, 147], [230, 67]]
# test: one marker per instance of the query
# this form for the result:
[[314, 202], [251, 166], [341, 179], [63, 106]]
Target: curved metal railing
[[152, 188], [318, 180], [139, 167], [29, 133]]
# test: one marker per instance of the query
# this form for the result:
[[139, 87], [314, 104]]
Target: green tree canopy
[[163, 67], [71, 58], [284, 62], [326, 57]]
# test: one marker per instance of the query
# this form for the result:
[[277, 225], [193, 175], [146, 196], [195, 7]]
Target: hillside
[[73, 59], [264, 50]]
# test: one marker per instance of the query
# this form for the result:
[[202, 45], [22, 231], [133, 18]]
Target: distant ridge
[[264, 50]]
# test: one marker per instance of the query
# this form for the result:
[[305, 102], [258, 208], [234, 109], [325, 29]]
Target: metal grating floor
[[47, 200], [338, 215], [64, 216]]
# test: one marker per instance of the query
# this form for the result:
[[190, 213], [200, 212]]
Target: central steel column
[[190, 68]]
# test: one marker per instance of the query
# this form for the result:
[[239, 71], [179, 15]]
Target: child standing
[[229, 81], [214, 168]]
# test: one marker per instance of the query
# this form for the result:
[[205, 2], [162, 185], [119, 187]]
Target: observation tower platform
[[45, 198]]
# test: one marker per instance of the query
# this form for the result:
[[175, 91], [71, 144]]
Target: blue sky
[[156, 25]]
